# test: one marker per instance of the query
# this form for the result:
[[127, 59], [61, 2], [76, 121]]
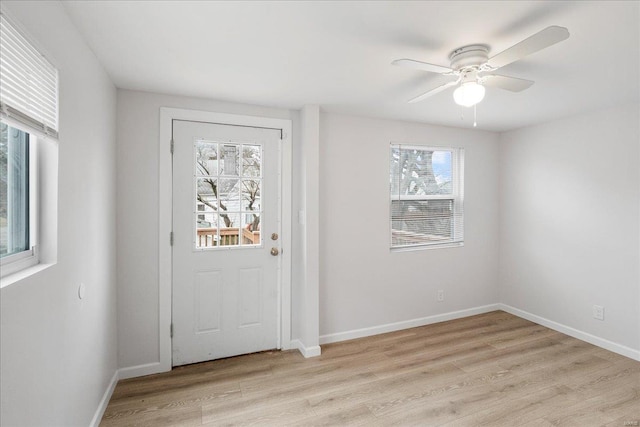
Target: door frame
[[165, 209]]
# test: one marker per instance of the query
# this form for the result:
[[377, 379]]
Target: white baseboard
[[567, 330], [141, 370], [306, 351], [104, 402], [406, 324]]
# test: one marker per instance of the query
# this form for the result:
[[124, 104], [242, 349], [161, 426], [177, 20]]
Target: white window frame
[[457, 196], [30, 102], [13, 263]]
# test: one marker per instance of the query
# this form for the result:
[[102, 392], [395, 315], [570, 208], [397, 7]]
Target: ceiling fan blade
[[545, 38], [424, 66], [504, 82], [433, 91]]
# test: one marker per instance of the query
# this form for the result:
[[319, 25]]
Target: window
[[426, 194], [17, 201], [28, 113], [228, 180]]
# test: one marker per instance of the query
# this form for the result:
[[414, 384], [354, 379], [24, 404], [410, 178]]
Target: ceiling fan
[[473, 69]]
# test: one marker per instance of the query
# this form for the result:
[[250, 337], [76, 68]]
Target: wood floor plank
[[505, 357], [610, 378], [599, 410], [433, 391], [350, 415], [630, 419], [511, 411], [195, 396], [177, 416], [493, 369], [512, 337], [286, 412]]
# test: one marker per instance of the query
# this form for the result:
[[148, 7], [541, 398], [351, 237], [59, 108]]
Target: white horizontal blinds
[[28, 82], [426, 189]]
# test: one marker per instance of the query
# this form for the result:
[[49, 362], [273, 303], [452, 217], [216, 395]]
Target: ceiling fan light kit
[[474, 70], [469, 94]]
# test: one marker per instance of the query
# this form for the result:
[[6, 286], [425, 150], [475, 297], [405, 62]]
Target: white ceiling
[[338, 54]]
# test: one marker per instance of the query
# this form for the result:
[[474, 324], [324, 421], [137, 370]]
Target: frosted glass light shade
[[468, 94]]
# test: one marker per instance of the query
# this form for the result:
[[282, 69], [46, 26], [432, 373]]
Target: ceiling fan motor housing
[[471, 56]]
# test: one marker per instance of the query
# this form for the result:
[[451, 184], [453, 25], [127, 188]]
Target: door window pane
[[251, 229], [251, 161], [207, 194], [228, 183], [229, 159], [229, 193], [206, 158], [251, 195], [229, 229], [206, 230]]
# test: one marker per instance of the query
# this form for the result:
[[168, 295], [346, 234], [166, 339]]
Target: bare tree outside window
[[228, 184], [251, 168], [423, 200]]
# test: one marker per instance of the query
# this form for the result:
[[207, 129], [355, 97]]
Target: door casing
[[167, 115]]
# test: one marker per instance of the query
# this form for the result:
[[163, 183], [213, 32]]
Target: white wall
[[58, 353], [363, 284], [307, 304], [569, 222], [137, 213]]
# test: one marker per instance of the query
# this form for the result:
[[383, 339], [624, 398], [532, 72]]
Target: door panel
[[225, 200], [250, 289], [208, 300]]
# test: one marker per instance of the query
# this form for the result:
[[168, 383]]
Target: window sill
[[423, 247], [23, 274]]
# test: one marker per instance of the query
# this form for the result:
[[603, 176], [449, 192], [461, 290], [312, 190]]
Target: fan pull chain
[[475, 116]]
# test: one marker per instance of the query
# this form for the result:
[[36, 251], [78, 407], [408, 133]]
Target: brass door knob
[[275, 251]]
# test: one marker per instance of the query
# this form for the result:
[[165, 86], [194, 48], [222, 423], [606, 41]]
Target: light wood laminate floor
[[493, 369]]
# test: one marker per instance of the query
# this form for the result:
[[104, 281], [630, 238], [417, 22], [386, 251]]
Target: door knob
[[275, 251]]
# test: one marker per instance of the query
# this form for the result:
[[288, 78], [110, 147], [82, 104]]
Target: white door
[[226, 195]]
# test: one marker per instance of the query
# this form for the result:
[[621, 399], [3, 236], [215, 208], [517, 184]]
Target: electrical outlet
[[440, 295], [598, 312]]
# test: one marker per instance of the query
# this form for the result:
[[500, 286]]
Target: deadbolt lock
[[274, 236]]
